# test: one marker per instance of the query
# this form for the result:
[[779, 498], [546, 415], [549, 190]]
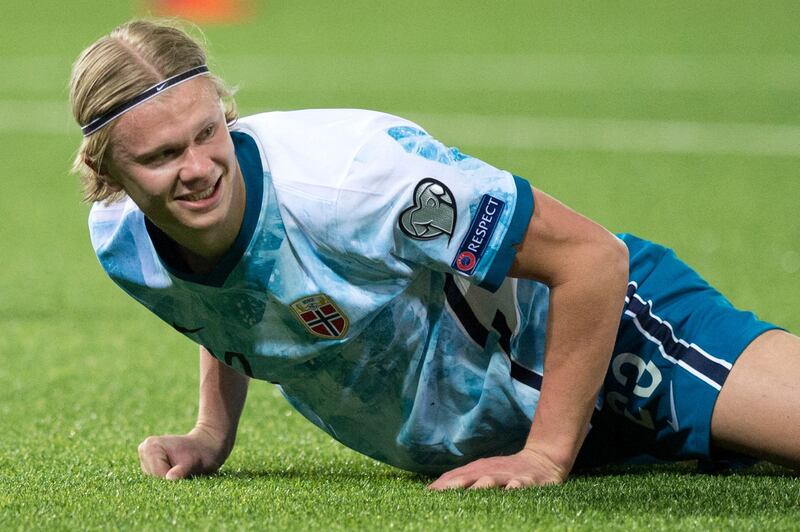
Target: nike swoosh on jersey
[[184, 330]]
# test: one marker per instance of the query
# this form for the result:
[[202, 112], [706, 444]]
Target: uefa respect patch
[[480, 233]]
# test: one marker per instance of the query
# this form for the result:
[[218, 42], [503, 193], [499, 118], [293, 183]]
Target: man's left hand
[[526, 468]]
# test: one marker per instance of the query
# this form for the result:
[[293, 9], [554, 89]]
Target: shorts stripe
[[480, 334], [692, 358]]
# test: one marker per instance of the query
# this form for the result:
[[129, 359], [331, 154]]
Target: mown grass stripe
[[466, 72], [613, 135], [519, 132]]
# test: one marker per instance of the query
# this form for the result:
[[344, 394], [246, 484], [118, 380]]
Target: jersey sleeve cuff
[[516, 231]]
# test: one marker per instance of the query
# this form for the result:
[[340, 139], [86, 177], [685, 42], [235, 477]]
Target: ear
[[102, 174]]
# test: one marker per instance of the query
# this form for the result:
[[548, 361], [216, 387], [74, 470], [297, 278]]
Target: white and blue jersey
[[369, 282]]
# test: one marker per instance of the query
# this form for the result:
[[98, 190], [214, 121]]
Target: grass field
[[677, 121]]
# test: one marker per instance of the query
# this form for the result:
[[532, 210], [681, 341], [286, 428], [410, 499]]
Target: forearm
[[585, 308], [222, 396], [586, 268]]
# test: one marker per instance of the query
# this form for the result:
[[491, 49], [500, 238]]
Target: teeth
[[203, 194]]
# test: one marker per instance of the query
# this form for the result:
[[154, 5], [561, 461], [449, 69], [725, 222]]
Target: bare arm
[[586, 268], [222, 395], [206, 447]]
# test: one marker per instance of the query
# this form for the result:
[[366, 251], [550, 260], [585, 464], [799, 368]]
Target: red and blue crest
[[320, 316]]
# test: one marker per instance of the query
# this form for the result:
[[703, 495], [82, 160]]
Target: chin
[[205, 222]]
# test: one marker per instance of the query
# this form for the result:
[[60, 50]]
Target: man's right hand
[[203, 450], [175, 457]]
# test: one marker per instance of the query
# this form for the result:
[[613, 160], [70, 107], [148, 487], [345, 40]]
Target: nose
[[196, 165]]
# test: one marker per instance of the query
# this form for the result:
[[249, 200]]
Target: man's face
[[174, 158]]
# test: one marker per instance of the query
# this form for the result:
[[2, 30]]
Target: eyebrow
[[142, 157], [169, 144]]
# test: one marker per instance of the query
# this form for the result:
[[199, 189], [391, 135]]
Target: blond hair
[[115, 69]]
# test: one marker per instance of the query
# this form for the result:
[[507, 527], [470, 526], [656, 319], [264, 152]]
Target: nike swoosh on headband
[[115, 112]]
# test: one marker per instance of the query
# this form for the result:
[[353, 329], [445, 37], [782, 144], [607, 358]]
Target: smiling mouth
[[202, 194]]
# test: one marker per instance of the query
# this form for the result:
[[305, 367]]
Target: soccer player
[[419, 305]]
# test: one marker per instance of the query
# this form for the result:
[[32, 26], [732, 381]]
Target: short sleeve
[[411, 201]]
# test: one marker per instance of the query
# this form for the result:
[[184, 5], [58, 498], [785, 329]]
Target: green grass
[[85, 373]]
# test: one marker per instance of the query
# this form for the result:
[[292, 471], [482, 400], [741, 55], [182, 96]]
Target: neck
[[204, 261]]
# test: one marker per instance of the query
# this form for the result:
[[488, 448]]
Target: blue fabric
[[678, 339], [523, 212]]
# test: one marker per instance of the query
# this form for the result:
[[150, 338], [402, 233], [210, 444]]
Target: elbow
[[617, 262], [620, 254], [606, 263], [602, 263]]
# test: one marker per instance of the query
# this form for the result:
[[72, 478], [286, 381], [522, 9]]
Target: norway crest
[[320, 316]]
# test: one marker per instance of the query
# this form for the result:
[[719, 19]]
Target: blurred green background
[[678, 121]]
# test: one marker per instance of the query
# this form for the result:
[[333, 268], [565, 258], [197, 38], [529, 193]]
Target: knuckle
[[524, 481], [148, 445], [454, 481]]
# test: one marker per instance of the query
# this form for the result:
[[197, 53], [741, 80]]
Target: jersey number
[[618, 402]]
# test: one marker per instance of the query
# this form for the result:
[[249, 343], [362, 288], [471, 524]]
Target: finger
[[178, 472], [153, 458], [450, 474], [514, 484], [484, 482], [520, 482], [156, 465], [436, 485], [462, 477], [452, 482], [439, 482]]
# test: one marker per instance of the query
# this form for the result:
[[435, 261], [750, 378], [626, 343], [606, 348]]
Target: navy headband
[[103, 120]]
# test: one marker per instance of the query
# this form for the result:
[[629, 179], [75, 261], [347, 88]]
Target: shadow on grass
[[334, 472], [669, 491], [688, 468], [345, 471]]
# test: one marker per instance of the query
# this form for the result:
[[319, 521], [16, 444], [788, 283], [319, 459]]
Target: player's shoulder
[[344, 124], [122, 246], [314, 148], [106, 221]]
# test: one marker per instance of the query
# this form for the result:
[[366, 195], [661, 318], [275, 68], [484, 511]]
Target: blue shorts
[[677, 342]]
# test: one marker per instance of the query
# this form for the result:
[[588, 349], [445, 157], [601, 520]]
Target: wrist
[[561, 456], [553, 471], [219, 437]]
